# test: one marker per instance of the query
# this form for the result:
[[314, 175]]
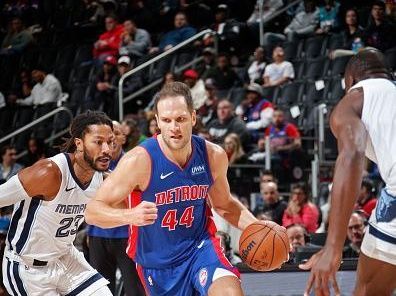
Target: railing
[[37, 121], [153, 60]]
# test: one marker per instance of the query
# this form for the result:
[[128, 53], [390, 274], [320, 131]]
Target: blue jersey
[[184, 218]]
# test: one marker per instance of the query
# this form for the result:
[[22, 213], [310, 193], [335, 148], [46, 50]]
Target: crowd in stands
[[73, 54]]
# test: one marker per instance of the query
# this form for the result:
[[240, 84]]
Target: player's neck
[[82, 170], [179, 156]]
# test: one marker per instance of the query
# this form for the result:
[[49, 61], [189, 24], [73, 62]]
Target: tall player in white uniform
[[364, 123], [50, 199]]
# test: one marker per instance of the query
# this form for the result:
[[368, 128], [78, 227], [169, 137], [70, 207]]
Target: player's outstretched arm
[[351, 139], [41, 180], [221, 199], [107, 209]]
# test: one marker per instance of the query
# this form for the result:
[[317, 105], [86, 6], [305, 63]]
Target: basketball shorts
[[69, 275], [193, 277], [379, 240]]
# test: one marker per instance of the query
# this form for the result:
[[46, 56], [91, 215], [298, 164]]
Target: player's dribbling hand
[[323, 266], [144, 213]]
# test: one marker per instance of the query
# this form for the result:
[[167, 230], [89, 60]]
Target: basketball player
[[176, 173], [50, 199], [363, 123]]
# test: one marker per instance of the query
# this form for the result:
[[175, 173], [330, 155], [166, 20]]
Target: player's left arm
[[221, 199]]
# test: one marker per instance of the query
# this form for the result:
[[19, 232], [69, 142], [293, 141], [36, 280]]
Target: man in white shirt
[[280, 71], [44, 97]]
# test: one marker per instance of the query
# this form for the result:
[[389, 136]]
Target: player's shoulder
[[352, 102], [136, 156], [215, 152], [45, 169]]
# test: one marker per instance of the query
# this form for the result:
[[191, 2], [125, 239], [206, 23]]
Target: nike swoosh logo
[[162, 177], [201, 244], [68, 189]]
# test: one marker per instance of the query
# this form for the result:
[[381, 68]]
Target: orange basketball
[[264, 246]]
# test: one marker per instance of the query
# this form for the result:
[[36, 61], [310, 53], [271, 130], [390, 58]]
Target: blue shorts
[[193, 277]]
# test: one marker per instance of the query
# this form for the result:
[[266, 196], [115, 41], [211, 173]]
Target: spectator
[[133, 134], [90, 15], [131, 84], [355, 234], [297, 235], [280, 71], [284, 136], [227, 123], [106, 252], [228, 31], [181, 32], [197, 88], [153, 128], [300, 210], [208, 61], [47, 90], [379, 32], [255, 70], [17, 38], [352, 35], [234, 150], [303, 24], [225, 241], [257, 155], [45, 95], [102, 89], [269, 7], [109, 41], [328, 17], [36, 150], [267, 176], [223, 75], [135, 42], [255, 110], [8, 166], [366, 200], [272, 202], [207, 111]]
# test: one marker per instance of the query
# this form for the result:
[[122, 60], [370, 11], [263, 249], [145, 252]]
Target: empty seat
[[314, 47], [292, 50], [390, 56], [290, 94], [338, 65], [315, 68], [47, 58], [335, 91], [66, 55], [83, 54], [313, 93]]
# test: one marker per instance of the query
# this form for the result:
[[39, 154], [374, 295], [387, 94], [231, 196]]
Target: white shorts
[[70, 275], [379, 245]]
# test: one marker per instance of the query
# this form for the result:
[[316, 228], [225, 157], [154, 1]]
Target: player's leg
[[102, 259], [131, 282], [226, 286], [79, 278], [213, 274], [102, 291], [374, 277], [20, 279]]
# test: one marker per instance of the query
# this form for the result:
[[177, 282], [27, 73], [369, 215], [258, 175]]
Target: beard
[[92, 162]]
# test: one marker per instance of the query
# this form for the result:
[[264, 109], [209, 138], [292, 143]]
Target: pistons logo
[[203, 276]]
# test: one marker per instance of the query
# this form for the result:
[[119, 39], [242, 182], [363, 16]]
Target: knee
[[226, 286]]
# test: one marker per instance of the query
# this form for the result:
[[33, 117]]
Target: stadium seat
[[290, 94], [313, 94], [314, 47], [47, 58], [83, 54], [334, 91], [315, 68], [270, 92], [337, 66], [292, 50], [335, 41], [390, 56]]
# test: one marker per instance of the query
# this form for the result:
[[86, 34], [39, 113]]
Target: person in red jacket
[[300, 210], [109, 42], [367, 199]]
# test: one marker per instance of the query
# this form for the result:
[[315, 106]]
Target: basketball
[[264, 246]]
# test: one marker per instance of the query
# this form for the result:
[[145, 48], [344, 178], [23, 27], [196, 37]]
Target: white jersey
[[45, 230], [379, 118]]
